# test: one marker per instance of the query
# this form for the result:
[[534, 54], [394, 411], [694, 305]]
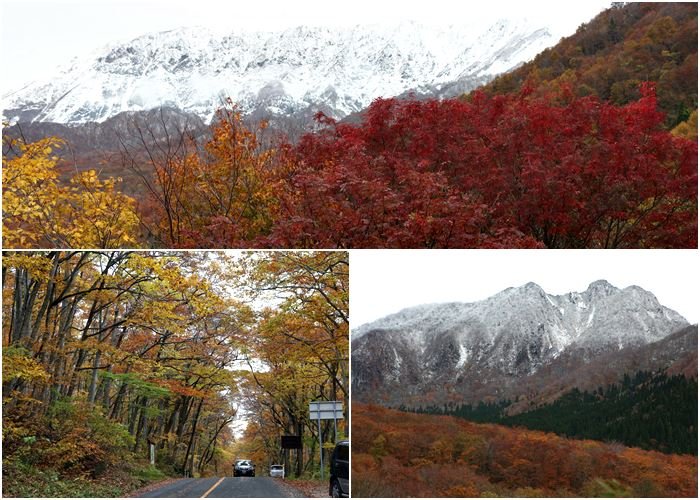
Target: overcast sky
[[385, 281], [39, 35]]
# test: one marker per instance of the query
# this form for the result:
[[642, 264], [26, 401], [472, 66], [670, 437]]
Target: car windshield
[[276, 467]]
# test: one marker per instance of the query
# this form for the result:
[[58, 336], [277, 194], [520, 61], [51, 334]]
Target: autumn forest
[[591, 145], [106, 352], [399, 454]]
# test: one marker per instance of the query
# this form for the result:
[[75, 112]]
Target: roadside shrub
[[82, 439]]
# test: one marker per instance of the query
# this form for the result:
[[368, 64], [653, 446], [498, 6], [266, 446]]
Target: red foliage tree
[[526, 170], [504, 171]]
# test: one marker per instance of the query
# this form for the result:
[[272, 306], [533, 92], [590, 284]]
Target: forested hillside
[[106, 352], [623, 46], [647, 410], [399, 454]]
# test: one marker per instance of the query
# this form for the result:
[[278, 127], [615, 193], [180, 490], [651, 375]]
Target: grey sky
[[386, 281], [38, 35]]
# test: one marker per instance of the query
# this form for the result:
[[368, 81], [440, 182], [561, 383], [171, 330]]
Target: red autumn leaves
[[507, 171]]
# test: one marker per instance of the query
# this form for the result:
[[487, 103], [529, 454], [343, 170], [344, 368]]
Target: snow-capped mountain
[[299, 70], [474, 349]]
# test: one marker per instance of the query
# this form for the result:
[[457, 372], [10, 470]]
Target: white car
[[277, 471]]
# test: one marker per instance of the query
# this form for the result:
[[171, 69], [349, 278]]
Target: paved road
[[227, 487]]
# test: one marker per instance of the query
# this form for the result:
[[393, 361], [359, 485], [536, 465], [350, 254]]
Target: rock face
[[289, 73], [488, 349]]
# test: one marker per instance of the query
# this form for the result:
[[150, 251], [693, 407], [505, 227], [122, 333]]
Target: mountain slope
[[621, 47], [494, 348], [398, 454], [293, 72], [644, 409], [675, 353]]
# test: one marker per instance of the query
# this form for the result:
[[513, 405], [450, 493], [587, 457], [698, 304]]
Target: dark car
[[244, 468], [340, 467]]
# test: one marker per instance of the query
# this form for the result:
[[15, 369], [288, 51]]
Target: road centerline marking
[[212, 488]]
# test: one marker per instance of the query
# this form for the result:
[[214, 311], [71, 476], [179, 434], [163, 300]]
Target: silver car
[[277, 471]]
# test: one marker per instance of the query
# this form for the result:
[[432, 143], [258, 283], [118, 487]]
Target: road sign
[[291, 442], [326, 410]]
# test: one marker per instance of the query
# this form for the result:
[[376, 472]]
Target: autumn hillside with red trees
[[593, 144], [397, 454], [503, 171], [488, 172]]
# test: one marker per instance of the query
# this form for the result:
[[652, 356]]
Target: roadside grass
[[149, 474], [20, 479]]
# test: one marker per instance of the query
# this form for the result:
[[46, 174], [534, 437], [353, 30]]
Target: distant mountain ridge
[[294, 72], [488, 350]]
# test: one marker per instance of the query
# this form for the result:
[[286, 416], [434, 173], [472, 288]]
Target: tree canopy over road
[[106, 352]]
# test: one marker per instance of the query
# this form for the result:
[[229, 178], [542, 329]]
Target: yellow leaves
[[18, 363], [38, 211], [689, 128], [37, 266], [179, 295], [29, 193], [103, 217], [159, 315], [220, 196]]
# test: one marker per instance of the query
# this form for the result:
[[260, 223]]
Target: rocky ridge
[[486, 349], [294, 72]]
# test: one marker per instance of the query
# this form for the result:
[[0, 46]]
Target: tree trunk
[[194, 429], [92, 390]]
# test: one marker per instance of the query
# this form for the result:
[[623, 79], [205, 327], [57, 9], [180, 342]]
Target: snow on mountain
[[572, 318], [343, 69], [510, 335]]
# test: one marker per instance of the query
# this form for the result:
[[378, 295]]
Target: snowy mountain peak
[[531, 287], [601, 288], [601, 316], [601, 285], [338, 70], [512, 334]]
